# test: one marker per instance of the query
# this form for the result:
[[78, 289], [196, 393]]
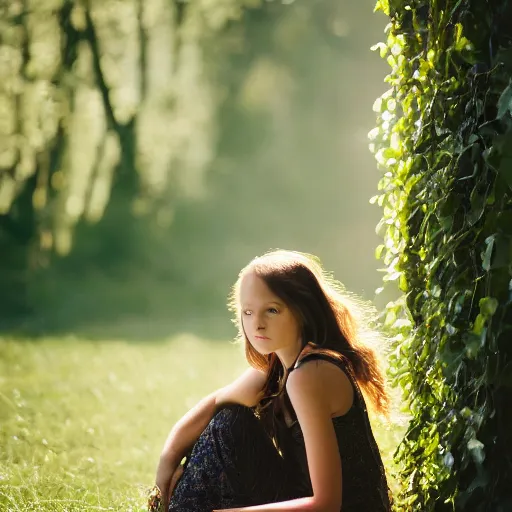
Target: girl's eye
[[273, 310], [247, 312]]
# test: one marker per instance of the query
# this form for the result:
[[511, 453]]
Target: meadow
[[82, 422]]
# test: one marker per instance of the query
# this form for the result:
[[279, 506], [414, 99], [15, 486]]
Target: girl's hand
[[160, 494]]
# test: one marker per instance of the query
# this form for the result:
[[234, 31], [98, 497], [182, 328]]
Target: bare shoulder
[[327, 380]]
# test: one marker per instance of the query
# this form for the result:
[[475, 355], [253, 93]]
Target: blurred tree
[[102, 99], [151, 104]]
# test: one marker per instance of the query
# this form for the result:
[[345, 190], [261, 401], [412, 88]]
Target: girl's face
[[269, 324]]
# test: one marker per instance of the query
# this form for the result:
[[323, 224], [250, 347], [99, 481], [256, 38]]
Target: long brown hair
[[330, 318]]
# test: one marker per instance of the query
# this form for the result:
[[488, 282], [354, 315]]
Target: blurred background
[[149, 150]]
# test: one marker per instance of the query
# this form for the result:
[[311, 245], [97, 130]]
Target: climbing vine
[[444, 143]]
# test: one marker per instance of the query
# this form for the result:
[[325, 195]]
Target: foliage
[[444, 140], [96, 95]]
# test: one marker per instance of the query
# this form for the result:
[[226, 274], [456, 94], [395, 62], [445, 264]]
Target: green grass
[[82, 423]]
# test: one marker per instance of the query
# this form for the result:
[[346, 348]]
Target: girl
[[292, 433]]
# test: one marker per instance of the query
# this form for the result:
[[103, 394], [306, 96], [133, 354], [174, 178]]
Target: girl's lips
[[261, 338]]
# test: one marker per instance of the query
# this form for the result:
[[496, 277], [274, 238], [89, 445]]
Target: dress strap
[[320, 355], [295, 363]]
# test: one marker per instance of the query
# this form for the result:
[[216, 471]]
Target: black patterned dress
[[235, 463]]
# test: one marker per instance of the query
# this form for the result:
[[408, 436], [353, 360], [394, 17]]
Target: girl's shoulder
[[337, 386]]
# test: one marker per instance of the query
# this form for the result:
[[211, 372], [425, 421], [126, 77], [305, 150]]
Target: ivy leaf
[[473, 341], [382, 5], [383, 49], [448, 460], [450, 329], [476, 449], [378, 251], [481, 480], [486, 263], [505, 102], [488, 306]]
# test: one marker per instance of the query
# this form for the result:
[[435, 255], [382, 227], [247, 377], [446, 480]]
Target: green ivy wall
[[444, 143]]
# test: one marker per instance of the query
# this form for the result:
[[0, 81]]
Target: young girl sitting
[[292, 433]]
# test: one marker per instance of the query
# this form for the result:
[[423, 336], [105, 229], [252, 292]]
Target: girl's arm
[[245, 390], [180, 441], [308, 392]]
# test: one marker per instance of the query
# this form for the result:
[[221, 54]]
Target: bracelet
[[155, 499]]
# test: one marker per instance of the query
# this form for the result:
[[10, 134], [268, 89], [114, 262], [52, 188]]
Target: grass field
[[82, 422]]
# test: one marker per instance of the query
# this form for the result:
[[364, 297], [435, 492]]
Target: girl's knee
[[234, 418]]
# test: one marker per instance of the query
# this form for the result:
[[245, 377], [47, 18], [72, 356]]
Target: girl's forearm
[[180, 441], [187, 431]]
